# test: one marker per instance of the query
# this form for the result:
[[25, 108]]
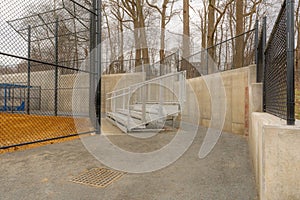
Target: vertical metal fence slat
[[290, 63], [256, 45], [99, 67], [263, 48], [56, 69], [92, 65]]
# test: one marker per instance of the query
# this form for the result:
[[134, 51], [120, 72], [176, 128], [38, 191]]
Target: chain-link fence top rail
[[279, 70], [45, 46]]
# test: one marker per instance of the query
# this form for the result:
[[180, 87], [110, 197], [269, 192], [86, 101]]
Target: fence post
[[56, 69], [99, 69], [256, 46], [128, 104], [28, 70], [92, 67], [207, 62], [290, 63], [178, 61], [264, 42]]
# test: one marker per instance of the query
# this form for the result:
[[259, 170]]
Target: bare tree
[[213, 23], [244, 22], [106, 7], [73, 45], [165, 17], [134, 9], [186, 29], [119, 15], [239, 29]]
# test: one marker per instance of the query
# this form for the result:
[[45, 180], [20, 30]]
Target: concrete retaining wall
[[237, 84], [73, 90], [275, 152], [118, 81]]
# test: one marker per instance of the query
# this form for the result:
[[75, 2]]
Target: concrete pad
[[44, 173]]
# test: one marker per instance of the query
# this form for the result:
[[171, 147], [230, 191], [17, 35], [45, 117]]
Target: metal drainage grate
[[98, 177]]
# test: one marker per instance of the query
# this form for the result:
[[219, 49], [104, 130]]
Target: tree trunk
[[186, 29], [162, 37], [122, 70], [138, 51], [112, 52], [239, 44], [211, 25], [143, 36]]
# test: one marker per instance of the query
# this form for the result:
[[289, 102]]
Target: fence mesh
[[45, 51], [279, 70], [169, 64], [217, 58], [221, 57]]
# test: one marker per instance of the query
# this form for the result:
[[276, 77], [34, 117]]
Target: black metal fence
[[168, 65], [276, 63], [222, 56], [260, 50], [47, 74], [218, 58]]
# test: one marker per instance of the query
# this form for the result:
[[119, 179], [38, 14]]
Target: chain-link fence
[[279, 84], [169, 64], [222, 56], [46, 50], [218, 58]]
